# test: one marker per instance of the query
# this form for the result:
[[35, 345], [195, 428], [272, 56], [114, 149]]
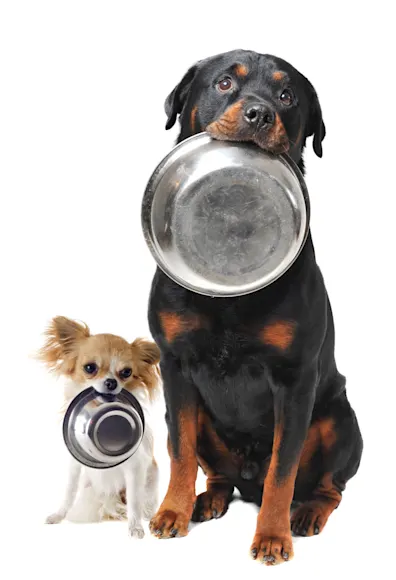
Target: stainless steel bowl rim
[[148, 197], [125, 401]]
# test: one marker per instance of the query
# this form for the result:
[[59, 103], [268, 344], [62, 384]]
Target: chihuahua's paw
[[55, 518], [136, 531]]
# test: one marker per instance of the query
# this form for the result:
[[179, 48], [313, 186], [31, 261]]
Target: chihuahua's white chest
[[104, 481]]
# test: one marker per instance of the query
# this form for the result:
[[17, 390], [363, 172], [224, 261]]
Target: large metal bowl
[[225, 218]]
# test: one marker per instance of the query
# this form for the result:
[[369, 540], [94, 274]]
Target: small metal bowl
[[224, 218], [103, 431]]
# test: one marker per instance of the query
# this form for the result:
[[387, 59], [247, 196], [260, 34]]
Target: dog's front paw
[[136, 531], [169, 524], [55, 518], [272, 549]]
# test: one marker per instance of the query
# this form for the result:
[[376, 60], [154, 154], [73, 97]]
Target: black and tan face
[[245, 96]]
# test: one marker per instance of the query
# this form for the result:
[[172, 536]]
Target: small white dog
[[108, 363]]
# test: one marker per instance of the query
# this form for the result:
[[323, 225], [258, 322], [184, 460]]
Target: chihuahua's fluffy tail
[[91, 507]]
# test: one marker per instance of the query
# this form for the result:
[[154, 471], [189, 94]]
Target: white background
[[82, 127]]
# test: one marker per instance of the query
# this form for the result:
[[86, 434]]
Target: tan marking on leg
[[320, 434], [310, 518], [327, 433], [311, 445], [272, 541], [184, 466], [176, 509], [214, 502], [218, 449], [277, 496]]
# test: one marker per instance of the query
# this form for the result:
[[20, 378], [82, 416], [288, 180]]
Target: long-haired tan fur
[[60, 348], [149, 370], [68, 344]]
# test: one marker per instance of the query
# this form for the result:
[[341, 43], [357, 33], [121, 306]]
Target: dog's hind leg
[[214, 502], [212, 453], [340, 444]]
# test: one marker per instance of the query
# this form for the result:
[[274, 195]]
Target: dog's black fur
[[252, 390]]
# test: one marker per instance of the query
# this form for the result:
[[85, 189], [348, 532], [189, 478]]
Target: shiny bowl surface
[[224, 218], [103, 431]]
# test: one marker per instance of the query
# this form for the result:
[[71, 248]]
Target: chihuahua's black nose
[[259, 115], [110, 384]]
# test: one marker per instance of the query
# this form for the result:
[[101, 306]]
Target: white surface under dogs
[[82, 128]]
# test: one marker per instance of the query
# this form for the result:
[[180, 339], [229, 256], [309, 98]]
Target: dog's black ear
[[316, 126], [176, 100]]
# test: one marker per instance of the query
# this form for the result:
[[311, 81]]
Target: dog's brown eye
[[90, 368], [125, 373], [225, 85], [287, 97]]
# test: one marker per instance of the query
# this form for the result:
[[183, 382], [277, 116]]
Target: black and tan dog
[[252, 390]]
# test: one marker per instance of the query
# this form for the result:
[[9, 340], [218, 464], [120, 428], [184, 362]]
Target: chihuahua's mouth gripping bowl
[[103, 430], [225, 218]]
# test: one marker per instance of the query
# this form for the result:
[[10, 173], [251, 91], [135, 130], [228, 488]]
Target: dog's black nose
[[259, 115], [110, 384]]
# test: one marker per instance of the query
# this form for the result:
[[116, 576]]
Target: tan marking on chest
[[175, 324], [279, 334]]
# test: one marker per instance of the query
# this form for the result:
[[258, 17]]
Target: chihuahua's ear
[[148, 355], [176, 100], [59, 351], [148, 351]]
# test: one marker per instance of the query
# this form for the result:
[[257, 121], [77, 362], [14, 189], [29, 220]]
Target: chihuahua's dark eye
[[90, 368], [225, 85], [125, 373], [287, 97]]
